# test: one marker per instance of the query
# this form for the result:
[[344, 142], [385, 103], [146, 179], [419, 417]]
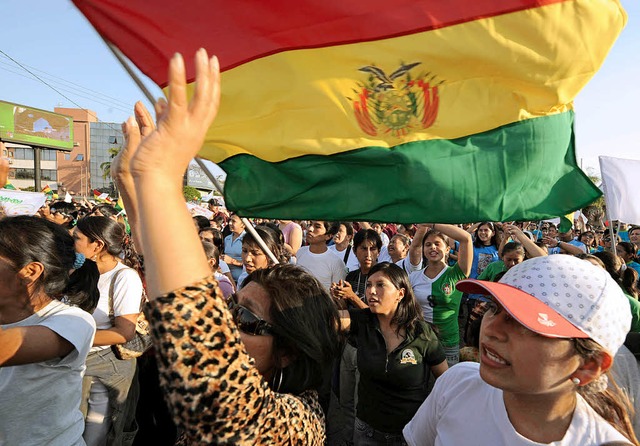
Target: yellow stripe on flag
[[488, 73]]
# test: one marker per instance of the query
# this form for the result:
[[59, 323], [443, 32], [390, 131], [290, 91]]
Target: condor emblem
[[398, 103], [407, 357]]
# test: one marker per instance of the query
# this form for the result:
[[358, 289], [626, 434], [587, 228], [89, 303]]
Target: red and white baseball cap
[[561, 296]]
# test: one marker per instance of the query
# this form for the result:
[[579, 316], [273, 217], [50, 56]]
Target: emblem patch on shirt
[[446, 288], [407, 357]]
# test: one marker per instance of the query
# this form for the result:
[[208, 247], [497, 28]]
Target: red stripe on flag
[[241, 31]]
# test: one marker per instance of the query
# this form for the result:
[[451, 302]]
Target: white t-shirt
[[384, 255], [464, 410], [352, 260], [326, 267], [40, 402], [422, 286], [127, 293]]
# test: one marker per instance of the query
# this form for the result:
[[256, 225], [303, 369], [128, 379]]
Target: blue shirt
[[233, 248]]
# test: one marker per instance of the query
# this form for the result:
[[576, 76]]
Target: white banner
[[16, 202], [620, 179], [196, 209]]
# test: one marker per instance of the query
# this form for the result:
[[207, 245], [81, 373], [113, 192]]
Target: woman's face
[[260, 347], [382, 295], [253, 257], [367, 254], [512, 258], [396, 249], [435, 249], [85, 246], [484, 234], [341, 236], [634, 236], [519, 361], [626, 256], [235, 225], [587, 238]]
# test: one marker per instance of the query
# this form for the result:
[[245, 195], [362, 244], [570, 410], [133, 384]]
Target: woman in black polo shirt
[[396, 351]]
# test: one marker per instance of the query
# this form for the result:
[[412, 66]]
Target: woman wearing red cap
[[546, 345]]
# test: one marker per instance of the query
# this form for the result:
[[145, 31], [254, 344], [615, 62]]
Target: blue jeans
[[365, 435], [105, 389]]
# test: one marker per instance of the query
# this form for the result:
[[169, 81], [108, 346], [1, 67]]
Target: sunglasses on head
[[247, 321]]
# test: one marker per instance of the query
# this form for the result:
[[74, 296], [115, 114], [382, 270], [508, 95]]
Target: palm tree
[[106, 166]]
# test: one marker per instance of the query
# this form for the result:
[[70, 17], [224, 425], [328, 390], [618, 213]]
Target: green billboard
[[41, 128]]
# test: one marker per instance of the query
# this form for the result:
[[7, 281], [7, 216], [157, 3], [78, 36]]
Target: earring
[[576, 381], [277, 377], [95, 257]]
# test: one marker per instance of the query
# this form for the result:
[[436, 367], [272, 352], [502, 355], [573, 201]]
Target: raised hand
[[182, 124]]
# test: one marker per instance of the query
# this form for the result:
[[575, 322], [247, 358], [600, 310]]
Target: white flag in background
[[620, 178]]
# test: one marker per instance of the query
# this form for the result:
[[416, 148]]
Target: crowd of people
[[305, 332]]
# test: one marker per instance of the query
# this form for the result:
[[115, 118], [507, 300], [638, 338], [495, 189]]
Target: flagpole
[[125, 64], [247, 224]]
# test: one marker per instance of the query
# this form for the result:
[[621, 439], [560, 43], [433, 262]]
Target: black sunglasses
[[247, 321]]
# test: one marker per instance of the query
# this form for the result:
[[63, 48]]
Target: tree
[[191, 193], [106, 166], [595, 212]]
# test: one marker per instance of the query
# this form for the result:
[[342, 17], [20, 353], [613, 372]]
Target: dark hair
[[306, 322], [409, 313], [513, 246], [201, 221], [211, 251], [66, 209], [110, 232], [82, 290], [627, 279], [434, 233], [593, 243], [476, 240], [612, 404], [217, 236], [405, 240], [630, 248], [335, 227], [106, 210], [633, 228], [366, 234], [274, 240], [26, 239]]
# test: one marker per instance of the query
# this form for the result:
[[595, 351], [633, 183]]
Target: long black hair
[[25, 239], [274, 240], [409, 313], [306, 321], [476, 240], [113, 235]]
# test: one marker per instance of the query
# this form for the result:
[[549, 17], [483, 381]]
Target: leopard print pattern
[[216, 394]]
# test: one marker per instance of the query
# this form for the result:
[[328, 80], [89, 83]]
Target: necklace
[[361, 296]]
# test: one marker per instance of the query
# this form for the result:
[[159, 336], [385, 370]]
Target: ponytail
[[82, 289], [612, 404]]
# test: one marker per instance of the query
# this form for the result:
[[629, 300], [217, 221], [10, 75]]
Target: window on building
[[67, 156], [28, 174]]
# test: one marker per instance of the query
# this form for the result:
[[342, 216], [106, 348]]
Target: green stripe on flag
[[457, 181]]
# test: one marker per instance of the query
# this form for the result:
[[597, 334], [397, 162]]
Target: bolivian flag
[[405, 110], [47, 190]]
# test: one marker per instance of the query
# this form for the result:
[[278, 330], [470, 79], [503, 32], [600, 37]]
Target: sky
[[56, 43]]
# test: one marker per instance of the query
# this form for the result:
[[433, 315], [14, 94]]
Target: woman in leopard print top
[[245, 375]]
